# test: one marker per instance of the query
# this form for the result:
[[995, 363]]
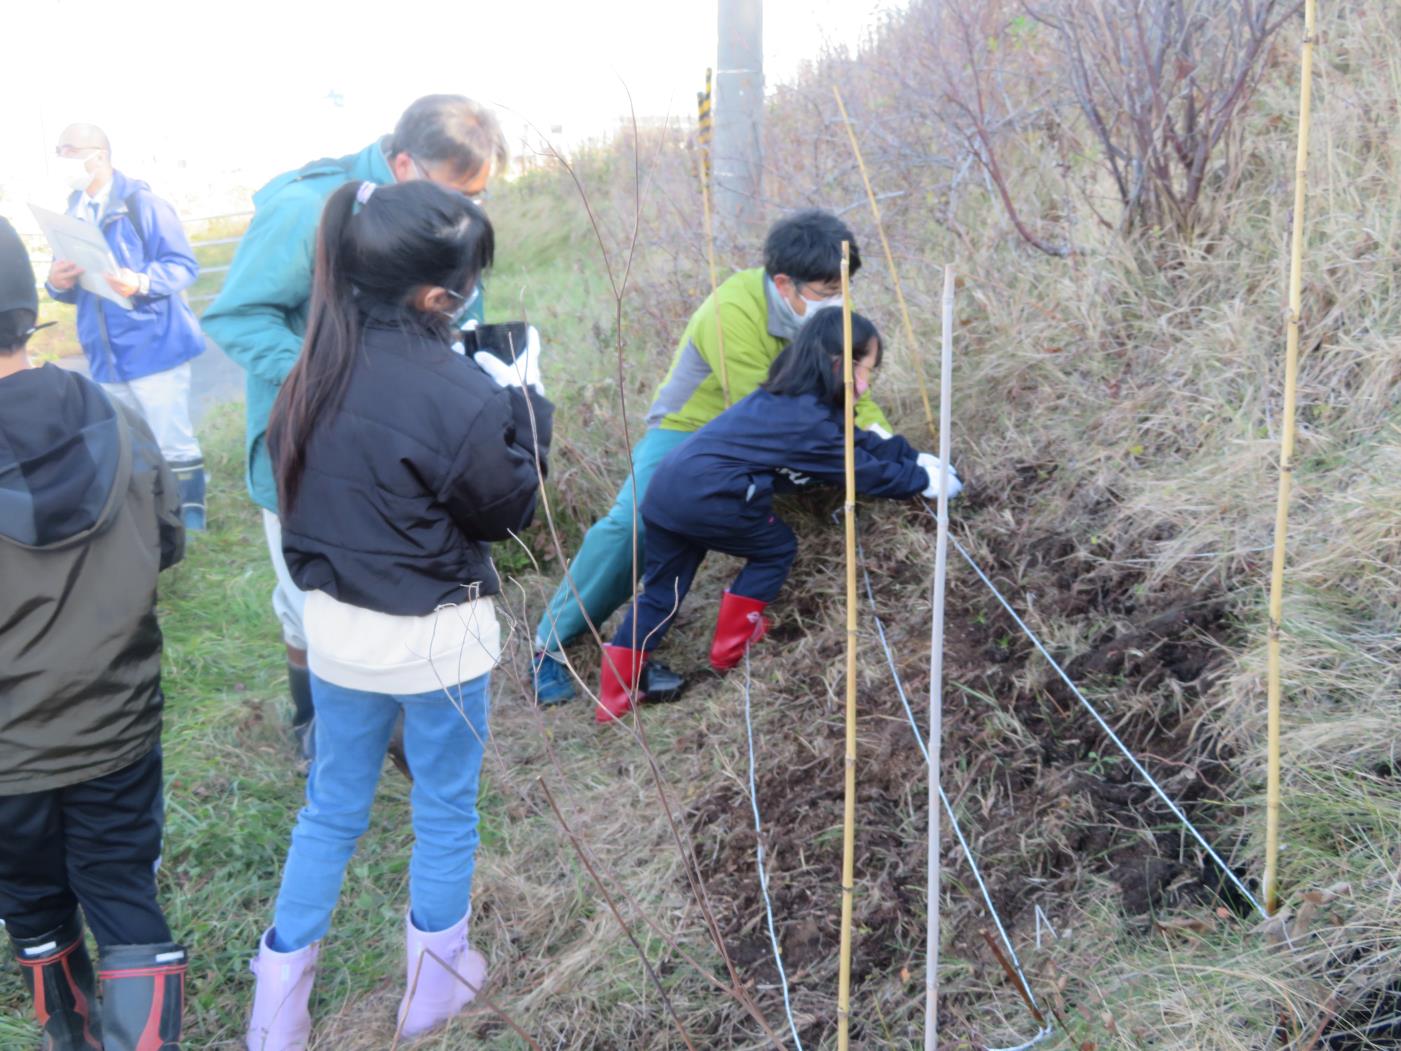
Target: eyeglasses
[[477, 198], [85, 152], [823, 292]]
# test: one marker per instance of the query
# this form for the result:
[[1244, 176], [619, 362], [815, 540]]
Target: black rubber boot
[[190, 476], [303, 714], [143, 997], [58, 974], [660, 683]]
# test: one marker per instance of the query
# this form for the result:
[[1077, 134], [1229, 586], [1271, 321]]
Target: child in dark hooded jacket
[[715, 492], [89, 517]]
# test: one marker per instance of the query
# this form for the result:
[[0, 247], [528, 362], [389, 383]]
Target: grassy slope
[[1122, 412]]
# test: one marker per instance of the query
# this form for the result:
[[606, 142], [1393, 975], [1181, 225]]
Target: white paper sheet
[[81, 243]]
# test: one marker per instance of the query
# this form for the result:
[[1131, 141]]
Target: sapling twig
[[613, 908], [689, 863], [476, 990], [1017, 981]]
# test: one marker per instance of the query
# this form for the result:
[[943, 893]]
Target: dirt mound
[[1046, 798]]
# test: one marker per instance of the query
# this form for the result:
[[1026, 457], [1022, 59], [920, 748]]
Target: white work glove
[[880, 432], [525, 372], [930, 463]]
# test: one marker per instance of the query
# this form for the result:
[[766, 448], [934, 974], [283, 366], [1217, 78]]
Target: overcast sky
[[206, 101]]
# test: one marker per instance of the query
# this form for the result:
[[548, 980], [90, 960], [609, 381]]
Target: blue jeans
[[444, 735], [602, 570]]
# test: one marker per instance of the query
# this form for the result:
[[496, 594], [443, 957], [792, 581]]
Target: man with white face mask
[[760, 311], [141, 356]]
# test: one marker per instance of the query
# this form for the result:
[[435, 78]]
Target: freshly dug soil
[[1045, 798]]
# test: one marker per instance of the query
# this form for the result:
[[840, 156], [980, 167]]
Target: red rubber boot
[[618, 679], [741, 621]]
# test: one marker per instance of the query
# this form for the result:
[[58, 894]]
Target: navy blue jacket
[[768, 443], [160, 331]]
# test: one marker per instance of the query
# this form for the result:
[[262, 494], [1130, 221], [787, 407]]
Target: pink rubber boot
[[433, 993], [280, 1020]]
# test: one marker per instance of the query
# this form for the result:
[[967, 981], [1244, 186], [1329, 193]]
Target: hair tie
[[363, 194]]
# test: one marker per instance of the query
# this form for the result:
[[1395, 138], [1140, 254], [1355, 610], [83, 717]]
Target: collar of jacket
[[369, 165], [780, 324], [378, 314], [122, 187]]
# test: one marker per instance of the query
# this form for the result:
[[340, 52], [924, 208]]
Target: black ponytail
[[401, 238], [812, 363]]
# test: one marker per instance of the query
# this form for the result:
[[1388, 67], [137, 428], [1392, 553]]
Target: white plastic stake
[[936, 670]]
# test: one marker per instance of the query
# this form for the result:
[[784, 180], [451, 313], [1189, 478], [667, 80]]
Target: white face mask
[[814, 305], [74, 172], [810, 308]]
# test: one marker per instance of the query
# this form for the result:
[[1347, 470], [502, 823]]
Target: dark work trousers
[[673, 558], [93, 844]]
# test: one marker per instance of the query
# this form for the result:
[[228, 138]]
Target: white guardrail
[[41, 265]]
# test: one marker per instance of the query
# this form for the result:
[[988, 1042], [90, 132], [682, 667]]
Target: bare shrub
[[1161, 84]]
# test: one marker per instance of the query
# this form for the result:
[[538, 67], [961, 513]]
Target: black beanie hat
[[19, 297]]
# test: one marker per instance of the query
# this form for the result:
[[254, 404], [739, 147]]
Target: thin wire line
[[759, 859], [948, 806], [1133, 760]]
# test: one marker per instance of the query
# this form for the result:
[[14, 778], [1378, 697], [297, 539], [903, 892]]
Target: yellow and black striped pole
[[704, 125], [703, 173]]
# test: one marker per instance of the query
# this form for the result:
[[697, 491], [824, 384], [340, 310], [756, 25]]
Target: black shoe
[[57, 972], [143, 996], [660, 683], [303, 714]]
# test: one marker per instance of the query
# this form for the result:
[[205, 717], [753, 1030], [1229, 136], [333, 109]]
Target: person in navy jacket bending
[[714, 492]]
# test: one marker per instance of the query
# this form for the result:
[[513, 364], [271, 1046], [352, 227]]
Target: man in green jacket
[[760, 311], [259, 317]]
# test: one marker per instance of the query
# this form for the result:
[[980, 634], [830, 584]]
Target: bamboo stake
[[849, 809], [702, 158], [889, 262], [936, 669], [1286, 464]]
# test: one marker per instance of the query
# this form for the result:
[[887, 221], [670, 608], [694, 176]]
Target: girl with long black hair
[[714, 492], [398, 462]]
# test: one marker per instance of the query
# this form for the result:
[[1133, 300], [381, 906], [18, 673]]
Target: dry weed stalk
[[890, 264]]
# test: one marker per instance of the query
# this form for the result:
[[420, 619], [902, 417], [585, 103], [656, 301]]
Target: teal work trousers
[[601, 572]]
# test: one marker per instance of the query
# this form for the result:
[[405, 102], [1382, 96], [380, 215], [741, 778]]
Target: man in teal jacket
[[259, 318]]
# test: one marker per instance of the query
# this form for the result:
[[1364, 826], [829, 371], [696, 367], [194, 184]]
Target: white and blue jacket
[[160, 331]]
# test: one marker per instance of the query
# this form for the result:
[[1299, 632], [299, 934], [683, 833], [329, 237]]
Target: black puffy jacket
[[424, 464]]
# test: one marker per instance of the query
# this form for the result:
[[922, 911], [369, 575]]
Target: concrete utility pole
[[739, 115]]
